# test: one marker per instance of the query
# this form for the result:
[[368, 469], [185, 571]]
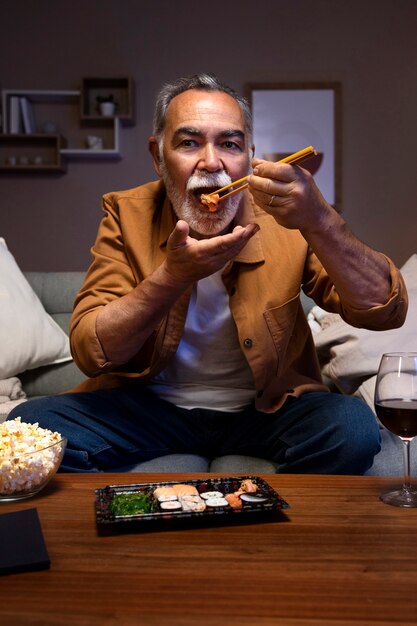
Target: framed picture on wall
[[288, 117]]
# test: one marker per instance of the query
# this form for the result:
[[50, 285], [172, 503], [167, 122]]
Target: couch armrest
[[56, 291]]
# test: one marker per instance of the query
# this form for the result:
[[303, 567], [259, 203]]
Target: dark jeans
[[318, 433]]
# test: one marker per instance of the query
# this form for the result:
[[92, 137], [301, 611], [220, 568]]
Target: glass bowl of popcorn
[[29, 458]]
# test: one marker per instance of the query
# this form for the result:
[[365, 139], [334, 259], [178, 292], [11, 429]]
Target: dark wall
[[50, 223]]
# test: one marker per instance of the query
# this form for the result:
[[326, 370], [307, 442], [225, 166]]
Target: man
[[189, 323]]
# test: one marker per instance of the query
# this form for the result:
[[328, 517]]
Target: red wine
[[398, 416]]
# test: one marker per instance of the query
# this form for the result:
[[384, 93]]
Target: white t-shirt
[[209, 369]]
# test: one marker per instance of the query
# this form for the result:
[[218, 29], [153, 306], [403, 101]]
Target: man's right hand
[[189, 259], [125, 323]]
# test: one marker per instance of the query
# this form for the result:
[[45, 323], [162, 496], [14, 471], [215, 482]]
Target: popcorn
[[28, 456]]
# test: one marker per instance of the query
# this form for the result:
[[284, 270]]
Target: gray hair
[[201, 82]]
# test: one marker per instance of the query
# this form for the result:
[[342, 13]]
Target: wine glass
[[396, 408]]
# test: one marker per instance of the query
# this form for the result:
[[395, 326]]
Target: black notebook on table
[[22, 546]]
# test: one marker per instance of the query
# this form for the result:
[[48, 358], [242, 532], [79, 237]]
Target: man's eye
[[188, 143], [231, 145]]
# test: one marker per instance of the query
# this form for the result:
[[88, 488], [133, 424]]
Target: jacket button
[[248, 343]]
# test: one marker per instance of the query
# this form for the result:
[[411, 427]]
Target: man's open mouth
[[202, 190]]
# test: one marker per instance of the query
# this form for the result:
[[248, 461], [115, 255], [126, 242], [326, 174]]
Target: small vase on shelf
[[106, 105], [107, 109]]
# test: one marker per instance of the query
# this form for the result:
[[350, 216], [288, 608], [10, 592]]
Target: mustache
[[207, 179]]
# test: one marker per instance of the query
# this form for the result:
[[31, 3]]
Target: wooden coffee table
[[341, 558]]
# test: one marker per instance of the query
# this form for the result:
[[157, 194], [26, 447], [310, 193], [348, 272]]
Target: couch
[[56, 291]]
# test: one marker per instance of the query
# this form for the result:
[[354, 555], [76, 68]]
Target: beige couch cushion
[[29, 337], [349, 356]]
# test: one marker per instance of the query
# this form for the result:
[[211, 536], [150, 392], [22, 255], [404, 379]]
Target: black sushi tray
[[136, 507]]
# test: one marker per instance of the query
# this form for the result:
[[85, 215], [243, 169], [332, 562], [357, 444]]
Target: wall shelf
[[32, 116], [33, 153], [120, 88], [112, 151]]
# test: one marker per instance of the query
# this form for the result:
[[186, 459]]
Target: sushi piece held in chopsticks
[[211, 201]]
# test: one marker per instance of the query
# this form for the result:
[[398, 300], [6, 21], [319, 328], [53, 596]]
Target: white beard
[[188, 208]]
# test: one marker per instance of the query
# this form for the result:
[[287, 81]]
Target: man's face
[[205, 146]]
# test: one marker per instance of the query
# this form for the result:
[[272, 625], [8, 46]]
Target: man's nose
[[209, 159]]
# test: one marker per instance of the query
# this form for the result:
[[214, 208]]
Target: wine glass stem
[[406, 449]]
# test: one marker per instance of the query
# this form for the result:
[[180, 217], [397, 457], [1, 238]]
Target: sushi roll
[[170, 505], [211, 494], [192, 503], [217, 502]]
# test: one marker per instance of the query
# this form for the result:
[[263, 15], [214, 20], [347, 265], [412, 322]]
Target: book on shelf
[[28, 119], [15, 124]]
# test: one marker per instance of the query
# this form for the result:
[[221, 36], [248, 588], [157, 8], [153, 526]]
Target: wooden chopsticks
[[297, 157]]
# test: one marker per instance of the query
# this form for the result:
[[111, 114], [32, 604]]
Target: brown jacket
[[263, 282]]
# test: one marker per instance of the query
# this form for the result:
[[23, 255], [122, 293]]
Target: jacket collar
[[168, 218], [249, 214]]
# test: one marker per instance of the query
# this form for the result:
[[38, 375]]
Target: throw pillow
[[29, 337], [351, 355]]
